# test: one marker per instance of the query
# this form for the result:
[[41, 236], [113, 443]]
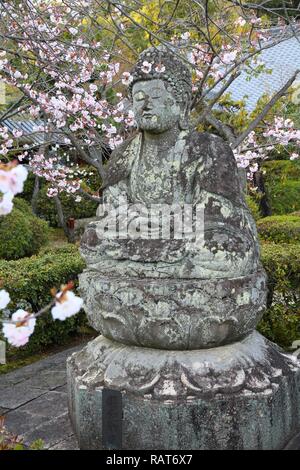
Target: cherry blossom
[[115, 142], [127, 78], [186, 36], [130, 120], [18, 333], [229, 57], [240, 21], [17, 177], [160, 68], [6, 204], [67, 304], [17, 133], [58, 174], [12, 178], [146, 67], [52, 192], [4, 299], [257, 146]]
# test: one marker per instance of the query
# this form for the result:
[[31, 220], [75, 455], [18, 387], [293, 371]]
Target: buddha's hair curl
[[167, 66]]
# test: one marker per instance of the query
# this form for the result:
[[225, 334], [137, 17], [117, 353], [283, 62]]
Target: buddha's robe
[[201, 171]]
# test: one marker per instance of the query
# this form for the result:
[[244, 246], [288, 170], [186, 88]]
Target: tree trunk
[[62, 220], [35, 194], [264, 204]]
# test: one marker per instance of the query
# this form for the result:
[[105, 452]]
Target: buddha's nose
[[146, 106]]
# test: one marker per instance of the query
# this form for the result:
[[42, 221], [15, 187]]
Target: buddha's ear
[[184, 112]]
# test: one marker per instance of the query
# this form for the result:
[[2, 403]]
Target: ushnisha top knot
[[160, 63]]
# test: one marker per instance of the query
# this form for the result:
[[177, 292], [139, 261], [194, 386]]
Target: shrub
[[281, 321], [22, 205], [282, 181], [32, 278], [28, 188], [281, 324], [29, 282], [46, 207], [284, 196], [282, 264], [254, 207], [281, 170], [21, 233], [280, 228]]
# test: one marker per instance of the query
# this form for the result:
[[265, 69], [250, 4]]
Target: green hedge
[[281, 324], [282, 264], [253, 206], [29, 281], [284, 197], [281, 170], [281, 321], [280, 228], [21, 233], [282, 181], [32, 278]]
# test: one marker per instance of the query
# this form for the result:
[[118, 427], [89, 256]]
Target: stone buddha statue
[[166, 163], [178, 363]]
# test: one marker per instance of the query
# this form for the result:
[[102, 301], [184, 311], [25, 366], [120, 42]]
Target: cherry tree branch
[[265, 111], [89, 196], [30, 315]]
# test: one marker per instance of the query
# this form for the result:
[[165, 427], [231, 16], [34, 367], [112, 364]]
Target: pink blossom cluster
[[12, 178], [233, 55], [18, 332], [20, 327], [255, 148], [248, 153], [283, 132], [60, 176], [80, 71]]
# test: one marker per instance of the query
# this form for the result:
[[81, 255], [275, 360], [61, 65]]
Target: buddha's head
[[161, 91]]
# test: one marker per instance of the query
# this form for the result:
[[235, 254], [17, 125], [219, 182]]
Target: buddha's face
[[155, 107]]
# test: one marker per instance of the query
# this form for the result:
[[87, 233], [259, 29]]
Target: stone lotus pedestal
[[157, 380]]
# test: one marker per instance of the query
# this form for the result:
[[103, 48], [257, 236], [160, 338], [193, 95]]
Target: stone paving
[[33, 400]]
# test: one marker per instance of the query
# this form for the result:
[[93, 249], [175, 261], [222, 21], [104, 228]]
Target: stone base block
[[240, 396]]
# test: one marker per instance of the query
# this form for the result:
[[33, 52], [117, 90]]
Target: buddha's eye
[[139, 96], [169, 101]]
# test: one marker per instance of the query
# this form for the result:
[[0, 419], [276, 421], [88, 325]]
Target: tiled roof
[[30, 135], [283, 59]]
